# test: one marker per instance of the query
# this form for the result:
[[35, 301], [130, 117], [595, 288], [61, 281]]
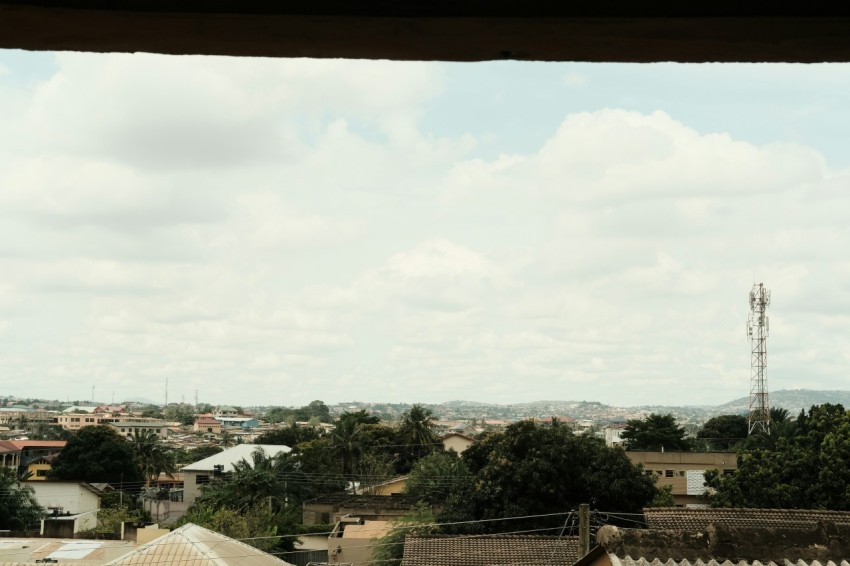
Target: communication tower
[[758, 328]]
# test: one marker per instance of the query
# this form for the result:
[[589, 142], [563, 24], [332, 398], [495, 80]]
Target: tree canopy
[[655, 432], [723, 432], [806, 469], [533, 469], [97, 454], [19, 510]]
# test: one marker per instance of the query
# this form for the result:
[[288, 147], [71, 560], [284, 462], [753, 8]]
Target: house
[[72, 506], [684, 471], [457, 442], [207, 423], [241, 423], [332, 508], [352, 540], [392, 486], [225, 411], [10, 455], [612, 435], [39, 469], [824, 543], [135, 427], [490, 550], [77, 420], [37, 455], [192, 545], [202, 472]]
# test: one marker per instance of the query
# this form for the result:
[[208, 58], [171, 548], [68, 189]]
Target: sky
[[274, 231]]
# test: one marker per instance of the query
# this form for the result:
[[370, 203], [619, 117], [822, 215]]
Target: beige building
[[457, 442], [131, 428], [76, 421], [352, 540], [684, 471]]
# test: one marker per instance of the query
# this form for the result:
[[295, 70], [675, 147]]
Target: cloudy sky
[[278, 231]]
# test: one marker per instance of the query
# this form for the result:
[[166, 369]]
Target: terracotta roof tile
[[697, 519], [494, 550]]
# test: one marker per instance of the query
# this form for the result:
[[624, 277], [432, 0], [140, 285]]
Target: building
[[492, 550], [332, 508], [131, 428], [72, 506], [352, 540], [76, 420], [677, 518], [684, 471], [457, 442], [10, 455], [192, 545], [62, 550], [207, 423], [823, 544], [202, 472], [240, 423]]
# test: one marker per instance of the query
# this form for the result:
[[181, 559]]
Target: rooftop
[[235, 454], [491, 550], [699, 519]]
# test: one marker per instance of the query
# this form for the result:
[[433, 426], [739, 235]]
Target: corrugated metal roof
[[491, 550], [234, 454], [191, 545], [629, 561]]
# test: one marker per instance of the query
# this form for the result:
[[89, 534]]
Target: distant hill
[[794, 400]]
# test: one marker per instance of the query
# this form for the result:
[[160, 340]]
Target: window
[[668, 473], [202, 479], [41, 473], [728, 472]]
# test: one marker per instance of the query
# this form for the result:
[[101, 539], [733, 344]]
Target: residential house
[[332, 508], [824, 543], [225, 411], [131, 428], [492, 550], [41, 451], [457, 442], [241, 423], [684, 471], [352, 540], [196, 546], [39, 469], [392, 486], [202, 472], [72, 506], [207, 423], [10, 455]]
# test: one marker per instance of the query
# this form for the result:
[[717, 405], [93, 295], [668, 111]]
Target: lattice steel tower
[[758, 327]]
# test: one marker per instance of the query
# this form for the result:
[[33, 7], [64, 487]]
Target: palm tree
[[346, 440], [151, 457], [416, 435]]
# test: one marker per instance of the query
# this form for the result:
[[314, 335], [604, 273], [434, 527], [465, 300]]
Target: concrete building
[[684, 471], [352, 540], [72, 506], [130, 428]]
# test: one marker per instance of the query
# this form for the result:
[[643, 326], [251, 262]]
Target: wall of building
[[683, 471], [69, 496]]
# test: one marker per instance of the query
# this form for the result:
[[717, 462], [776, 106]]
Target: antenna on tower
[[166, 392], [758, 328]]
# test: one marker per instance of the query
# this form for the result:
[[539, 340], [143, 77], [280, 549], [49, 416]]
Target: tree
[[655, 432], [807, 469], [19, 510], [291, 435], [348, 436], [416, 435], [151, 457], [532, 469], [724, 432], [433, 477], [97, 454]]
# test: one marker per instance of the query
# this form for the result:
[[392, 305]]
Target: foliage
[[316, 411], [184, 414], [663, 497], [807, 469], [416, 436], [390, 548], [19, 510], [256, 526], [151, 456], [48, 432], [432, 477], [533, 469], [109, 519], [97, 454], [291, 435], [655, 432], [723, 432]]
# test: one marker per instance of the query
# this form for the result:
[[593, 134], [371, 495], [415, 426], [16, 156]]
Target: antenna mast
[[758, 328]]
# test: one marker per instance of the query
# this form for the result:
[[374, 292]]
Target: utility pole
[[583, 529]]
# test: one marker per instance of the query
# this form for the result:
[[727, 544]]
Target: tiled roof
[[629, 561], [191, 545], [493, 550], [698, 519], [6, 446]]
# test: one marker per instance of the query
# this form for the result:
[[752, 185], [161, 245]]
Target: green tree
[[723, 432], [151, 455], [390, 548], [97, 454], [433, 477], [19, 510], [655, 432], [416, 436], [257, 526], [532, 469], [291, 435], [807, 469], [348, 438]]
